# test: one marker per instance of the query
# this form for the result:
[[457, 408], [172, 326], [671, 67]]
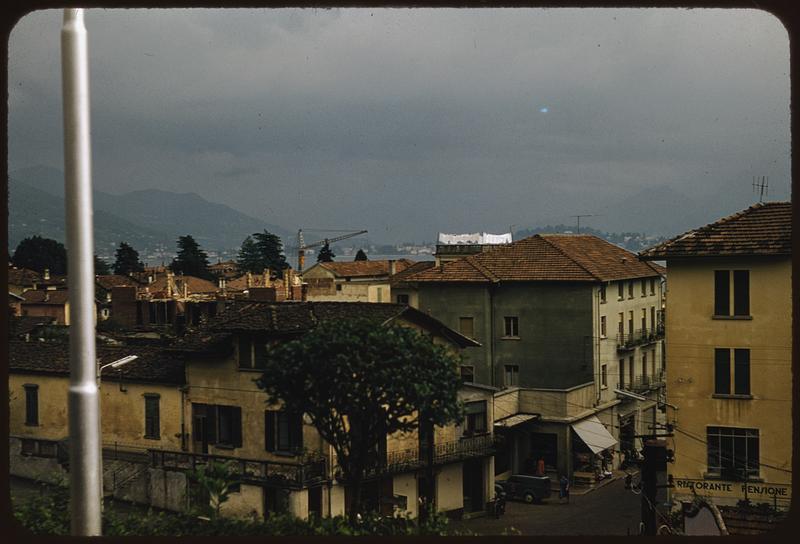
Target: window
[[630, 289], [245, 354], [644, 366], [511, 376], [31, 404], [283, 431], [644, 287], [603, 294], [741, 292], [379, 294], [653, 324], [152, 416], [652, 286], [630, 369], [732, 453], [402, 299], [621, 324], [252, 352], [722, 371], [604, 376], [338, 286], [467, 373], [620, 290], [215, 424], [603, 326], [511, 327], [466, 326], [259, 355], [644, 319], [475, 422], [621, 374], [630, 322]]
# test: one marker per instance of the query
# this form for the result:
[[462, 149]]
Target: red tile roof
[[762, 229], [351, 269], [194, 286], [23, 276], [107, 281], [545, 257], [60, 296]]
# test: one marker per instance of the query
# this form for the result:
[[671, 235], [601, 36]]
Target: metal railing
[[645, 382], [640, 337], [293, 475]]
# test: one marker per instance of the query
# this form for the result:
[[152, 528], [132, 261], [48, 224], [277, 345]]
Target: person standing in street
[[540, 467], [563, 485]]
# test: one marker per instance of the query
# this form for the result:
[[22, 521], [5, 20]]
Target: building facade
[[729, 342], [354, 281]]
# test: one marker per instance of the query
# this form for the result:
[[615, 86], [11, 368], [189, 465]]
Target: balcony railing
[[291, 475], [644, 382], [640, 337], [447, 452]]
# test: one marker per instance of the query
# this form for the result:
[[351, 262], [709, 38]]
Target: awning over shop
[[594, 434], [516, 419]]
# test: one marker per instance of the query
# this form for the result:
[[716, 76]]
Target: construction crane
[[302, 246]]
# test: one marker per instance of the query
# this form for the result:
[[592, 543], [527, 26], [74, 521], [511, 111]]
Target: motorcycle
[[497, 506]]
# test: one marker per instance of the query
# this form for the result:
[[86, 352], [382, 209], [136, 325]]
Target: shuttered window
[[229, 431], [31, 404], [722, 286], [283, 431], [741, 371], [245, 356], [722, 371], [152, 416], [741, 292]]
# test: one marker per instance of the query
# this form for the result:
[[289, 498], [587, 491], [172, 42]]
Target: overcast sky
[[408, 122]]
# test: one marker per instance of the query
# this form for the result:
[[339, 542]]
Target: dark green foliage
[[359, 381], [361, 256], [47, 514], [127, 260], [37, 253], [191, 260], [215, 481], [101, 267], [325, 254], [262, 250]]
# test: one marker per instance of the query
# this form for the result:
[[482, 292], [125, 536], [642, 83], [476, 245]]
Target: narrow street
[[609, 510]]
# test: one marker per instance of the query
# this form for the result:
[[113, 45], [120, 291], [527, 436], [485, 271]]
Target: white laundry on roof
[[475, 238]]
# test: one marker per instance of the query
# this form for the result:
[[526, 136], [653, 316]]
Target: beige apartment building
[[728, 347]]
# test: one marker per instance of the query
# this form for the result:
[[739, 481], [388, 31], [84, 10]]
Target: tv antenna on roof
[[762, 185], [578, 217]]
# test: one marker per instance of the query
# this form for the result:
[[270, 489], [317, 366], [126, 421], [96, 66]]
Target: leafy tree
[[361, 256], [37, 253], [262, 250], [191, 260], [359, 381], [325, 254], [216, 481], [127, 260], [101, 267]]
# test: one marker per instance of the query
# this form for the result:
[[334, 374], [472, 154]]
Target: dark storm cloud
[[413, 121]]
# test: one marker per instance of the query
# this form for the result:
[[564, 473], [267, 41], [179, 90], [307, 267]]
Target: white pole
[[86, 478]]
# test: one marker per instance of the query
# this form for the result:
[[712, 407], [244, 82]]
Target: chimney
[[392, 267], [265, 276], [47, 273], [185, 289], [170, 275], [287, 283], [249, 280]]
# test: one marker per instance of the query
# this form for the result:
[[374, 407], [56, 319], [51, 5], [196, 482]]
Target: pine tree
[[361, 256], [127, 260], [37, 253], [101, 268], [262, 250], [325, 254], [191, 260]]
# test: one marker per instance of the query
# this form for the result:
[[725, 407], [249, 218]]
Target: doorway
[[473, 484]]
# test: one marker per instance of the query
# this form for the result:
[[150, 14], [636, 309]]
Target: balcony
[[645, 382], [640, 337], [287, 475], [447, 452]]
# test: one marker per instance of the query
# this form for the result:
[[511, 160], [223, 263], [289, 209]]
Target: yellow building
[[728, 353], [353, 281]]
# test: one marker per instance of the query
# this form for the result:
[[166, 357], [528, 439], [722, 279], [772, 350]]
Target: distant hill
[[145, 218], [632, 241]]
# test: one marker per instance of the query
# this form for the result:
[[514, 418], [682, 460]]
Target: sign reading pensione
[[753, 490]]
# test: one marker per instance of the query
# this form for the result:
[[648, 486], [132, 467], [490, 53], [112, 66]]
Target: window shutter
[[722, 371], [741, 358], [32, 404], [245, 360], [722, 281], [211, 423], [296, 431], [741, 292], [269, 430], [236, 426]]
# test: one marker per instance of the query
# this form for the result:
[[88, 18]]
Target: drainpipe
[[86, 478], [491, 332], [596, 355]]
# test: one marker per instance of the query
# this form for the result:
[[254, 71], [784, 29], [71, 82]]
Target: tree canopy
[[127, 260], [101, 267], [262, 250], [325, 254], [37, 253], [361, 256], [359, 381], [191, 260]]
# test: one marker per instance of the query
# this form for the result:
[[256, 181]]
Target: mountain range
[[149, 220]]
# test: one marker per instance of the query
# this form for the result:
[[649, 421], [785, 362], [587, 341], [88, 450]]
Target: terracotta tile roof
[[21, 325], [399, 279], [23, 276], [761, 229], [352, 269], [256, 280], [154, 365], [295, 318], [194, 286], [544, 257], [108, 281], [59, 296]]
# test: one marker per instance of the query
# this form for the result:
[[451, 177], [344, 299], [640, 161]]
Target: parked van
[[527, 488]]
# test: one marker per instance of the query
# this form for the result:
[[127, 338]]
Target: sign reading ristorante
[[734, 489]]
